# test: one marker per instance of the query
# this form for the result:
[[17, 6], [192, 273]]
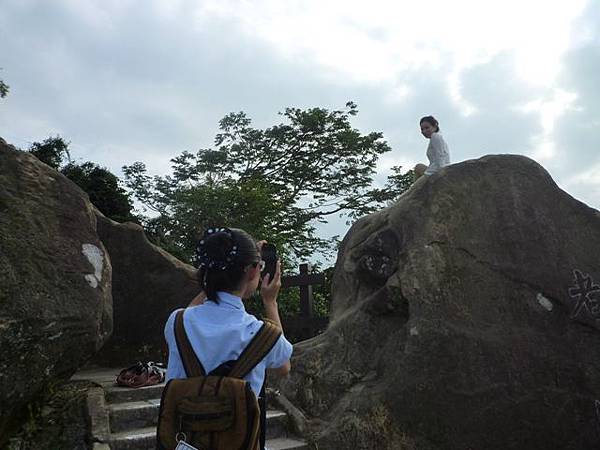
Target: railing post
[[305, 324], [306, 295]]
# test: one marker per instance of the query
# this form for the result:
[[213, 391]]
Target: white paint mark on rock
[[546, 304], [92, 280], [96, 258], [413, 331]]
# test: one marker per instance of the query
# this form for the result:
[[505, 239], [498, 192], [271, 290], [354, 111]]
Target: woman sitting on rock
[[437, 150]]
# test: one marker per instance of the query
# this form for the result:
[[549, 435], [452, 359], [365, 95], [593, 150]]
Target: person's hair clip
[[210, 262]]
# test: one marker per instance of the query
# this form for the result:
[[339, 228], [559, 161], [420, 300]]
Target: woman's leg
[[419, 170]]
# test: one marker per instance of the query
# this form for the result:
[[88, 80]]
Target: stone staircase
[[125, 418]]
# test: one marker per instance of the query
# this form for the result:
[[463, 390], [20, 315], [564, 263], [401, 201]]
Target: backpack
[[215, 411]]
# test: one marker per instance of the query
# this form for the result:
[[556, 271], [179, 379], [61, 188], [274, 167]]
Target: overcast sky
[[144, 80]]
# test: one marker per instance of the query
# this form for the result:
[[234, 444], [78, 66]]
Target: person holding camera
[[219, 328]]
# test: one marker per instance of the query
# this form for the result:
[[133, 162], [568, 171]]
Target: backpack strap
[[258, 348], [192, 365]]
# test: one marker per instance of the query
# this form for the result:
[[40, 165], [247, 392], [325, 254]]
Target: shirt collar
[[225, 298]]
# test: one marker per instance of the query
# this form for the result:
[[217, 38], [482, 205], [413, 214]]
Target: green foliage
[[103, 189], [4, 88], [99, 183], [51, 151], [289, 299], [322, 294], [397, 184], [275, 183]]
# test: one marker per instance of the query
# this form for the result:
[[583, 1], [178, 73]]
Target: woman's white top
[[437, 153]]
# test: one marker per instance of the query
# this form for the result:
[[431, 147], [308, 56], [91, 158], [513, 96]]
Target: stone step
[[138, 439], [130, 416], [277, 424], [141, 414], [119, 394], [133, 415], [286, 444], [145, 439]]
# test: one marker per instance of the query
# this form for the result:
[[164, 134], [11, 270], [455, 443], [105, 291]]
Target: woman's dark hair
[[222, 256], [431, 120]]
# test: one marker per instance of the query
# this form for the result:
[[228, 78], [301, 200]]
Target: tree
[[275, 183], [396, 184], [51, 151], [4, 88], [102, 187]]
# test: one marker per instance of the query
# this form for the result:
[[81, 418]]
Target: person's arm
[[269, 291], [175, 367]]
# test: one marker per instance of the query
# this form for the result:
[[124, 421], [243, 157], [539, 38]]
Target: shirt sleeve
[[279, 354], [437, 156], [174, 366]]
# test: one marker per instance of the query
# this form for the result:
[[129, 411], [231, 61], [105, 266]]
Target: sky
[[127, 80]]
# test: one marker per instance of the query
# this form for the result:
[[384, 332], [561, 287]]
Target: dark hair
[[222, 256], [431, 120]]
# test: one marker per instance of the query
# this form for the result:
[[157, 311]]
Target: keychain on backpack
[[182, 445]]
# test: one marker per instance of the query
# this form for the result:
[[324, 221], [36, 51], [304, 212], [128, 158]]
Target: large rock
[[55, 281], [465, 316], [148, 283]]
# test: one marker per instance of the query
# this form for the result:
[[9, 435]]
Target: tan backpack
[[217, 411]]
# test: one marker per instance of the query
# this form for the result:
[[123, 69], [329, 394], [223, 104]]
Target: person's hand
[[270, 289], [260, 244]]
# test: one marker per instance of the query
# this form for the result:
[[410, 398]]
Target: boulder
[[464, 316], [55, 282], [147, 285]]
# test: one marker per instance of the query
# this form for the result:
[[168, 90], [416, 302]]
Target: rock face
[[147, 284], [55, 278], [465, 316]]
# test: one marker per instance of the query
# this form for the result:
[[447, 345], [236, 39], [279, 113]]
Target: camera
[[269, 256]]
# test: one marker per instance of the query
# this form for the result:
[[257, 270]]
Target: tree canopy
[[4, 88], [52, 151], [103, 187], [276, 183]]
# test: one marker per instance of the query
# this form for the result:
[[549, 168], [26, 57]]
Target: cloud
[[130, 80], [149, 85], [576, 135]]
